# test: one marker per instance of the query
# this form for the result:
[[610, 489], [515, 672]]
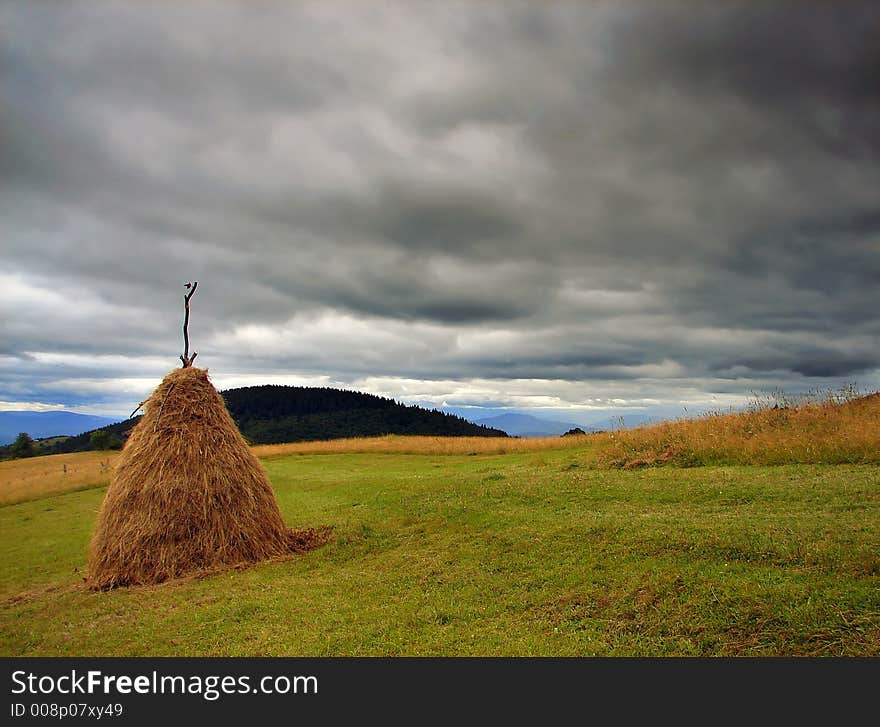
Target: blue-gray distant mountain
[[525, 425], [40, 424]]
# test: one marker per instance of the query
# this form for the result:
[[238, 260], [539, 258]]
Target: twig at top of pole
[[185, 357]]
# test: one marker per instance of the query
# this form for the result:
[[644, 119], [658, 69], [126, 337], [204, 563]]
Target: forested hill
[[273, 401], [272, 414]]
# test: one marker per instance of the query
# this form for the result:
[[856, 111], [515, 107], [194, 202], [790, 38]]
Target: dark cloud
[[814, 66], [650, 202]]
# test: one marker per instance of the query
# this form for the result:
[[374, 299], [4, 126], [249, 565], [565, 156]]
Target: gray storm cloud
[[643, 202]]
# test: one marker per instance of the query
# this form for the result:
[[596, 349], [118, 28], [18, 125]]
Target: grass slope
[[529, 552], [839, 429]]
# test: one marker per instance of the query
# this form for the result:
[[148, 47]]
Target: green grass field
[[534, 553]]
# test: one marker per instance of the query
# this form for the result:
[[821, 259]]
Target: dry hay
[[187, 495]]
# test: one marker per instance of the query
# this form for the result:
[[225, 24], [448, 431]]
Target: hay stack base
[[187, 495]]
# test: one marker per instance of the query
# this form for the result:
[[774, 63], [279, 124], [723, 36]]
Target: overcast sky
[[533, 205]]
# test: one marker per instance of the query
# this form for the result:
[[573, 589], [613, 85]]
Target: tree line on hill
[[273, 414]]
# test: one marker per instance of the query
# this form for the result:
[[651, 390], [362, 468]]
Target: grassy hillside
[[524, 553], [561, 546], [837, 430]]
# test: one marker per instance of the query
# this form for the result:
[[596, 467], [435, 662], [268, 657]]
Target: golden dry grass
[[400, 444], [25, 479], [829, 432], [187, 495]]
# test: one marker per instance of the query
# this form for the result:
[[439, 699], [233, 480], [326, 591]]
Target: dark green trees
[[23, 446]]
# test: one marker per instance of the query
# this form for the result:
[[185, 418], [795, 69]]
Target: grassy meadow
[[443, 548]]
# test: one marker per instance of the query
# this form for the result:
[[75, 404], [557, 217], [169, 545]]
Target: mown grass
[[524, 553]]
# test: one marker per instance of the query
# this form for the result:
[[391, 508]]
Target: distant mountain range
[[526, 425], [40, 424]]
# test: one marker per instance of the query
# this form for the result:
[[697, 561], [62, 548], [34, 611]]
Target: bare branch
[[186, 358]]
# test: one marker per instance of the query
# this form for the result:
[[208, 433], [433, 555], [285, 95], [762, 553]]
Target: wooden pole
[[186, 358]]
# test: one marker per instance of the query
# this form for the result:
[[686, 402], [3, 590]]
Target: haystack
[[187, 494]]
